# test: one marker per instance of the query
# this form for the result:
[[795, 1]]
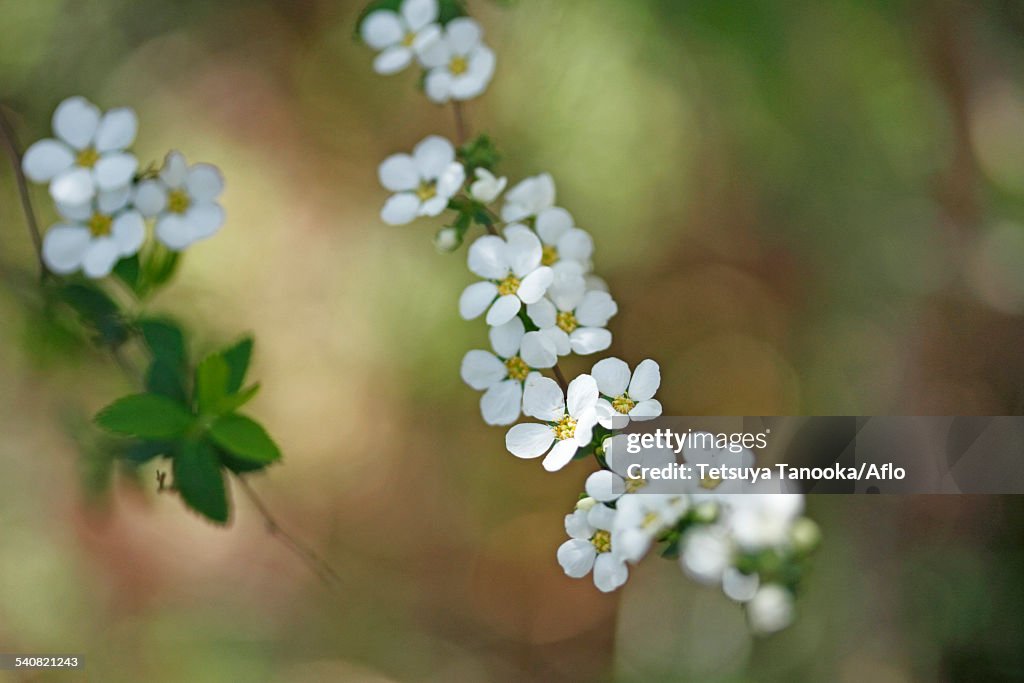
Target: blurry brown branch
[[10, 143], [461, 129]]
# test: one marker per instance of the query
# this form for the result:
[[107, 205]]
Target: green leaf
[[165, 339], [239, 465], [237, 358], [127, 271], [199, 480], [158, 267], [96, 310], [149, 416], [230, 404], [211, 383], [480, 152], [142, 452], [244, 438], [163, 379]]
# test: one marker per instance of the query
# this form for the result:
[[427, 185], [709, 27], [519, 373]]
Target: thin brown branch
[[560, 377], [10, 143], [461, 127]]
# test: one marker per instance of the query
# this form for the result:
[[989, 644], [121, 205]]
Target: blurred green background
[[801, 207]]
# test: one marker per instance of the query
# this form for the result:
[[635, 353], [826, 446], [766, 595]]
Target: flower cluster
[[104, 201], [538, 295]]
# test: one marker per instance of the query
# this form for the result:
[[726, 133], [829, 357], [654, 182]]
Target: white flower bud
[[805, 534], [586, 503], [770, 610], [447, 240], [487, 187]]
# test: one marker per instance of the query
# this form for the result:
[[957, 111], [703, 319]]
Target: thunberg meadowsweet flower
[[562, 240], [626, 396], [94, 236], [183, 199], [575, 319], [590, 546], [569, 418], [89, 154], [487, 187], [607, 485], [517, 356], [529, 198], [513, 277], [423, 182], [400, 36], [642, 518], [460, 65]]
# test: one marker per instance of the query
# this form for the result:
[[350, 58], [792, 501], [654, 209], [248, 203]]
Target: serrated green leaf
[[212, 376], [165, 339], [237, 357], [149, 416], [200, 481], [244, 438], [230, 404]]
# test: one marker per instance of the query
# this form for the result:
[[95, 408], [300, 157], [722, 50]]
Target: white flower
[[88, 155], [626, 396], [570, 423], [447, 240], [739, 586], [423, 182], [562, 240], [183, 200], [94, 236], [705, 452], [611, 484], [460, 65], [517, 354], [486, 188], [590, 548], [400, 36], [528, 198], [762, 520], [575, 319], [513, 277], [770, 610], [642, 518], [705, 553]]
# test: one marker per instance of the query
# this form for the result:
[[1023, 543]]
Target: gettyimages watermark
[[742, 455]]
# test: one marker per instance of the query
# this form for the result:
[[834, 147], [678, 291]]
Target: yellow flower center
[[623, 404], [458, 66], [100, 224], [634, 485], [517, 368], [509, 285], [549, 256], [567, 321], [650, 520], [710, 482], [565, 429], [178, 201], [87, 158], [602, 541], [426, 190], [409, 39]]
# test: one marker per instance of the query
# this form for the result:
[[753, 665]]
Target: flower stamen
[[634, 485], [426, 190], [87, 158], [408, 39], [566, 320], [509, 285], [549, 255], [566, 428], [623, 404], [517, 368], [178, 201], [602, 541], [459, 65], [100, 225]]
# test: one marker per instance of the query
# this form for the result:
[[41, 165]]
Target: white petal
[[112, 201], [419, 13], [400, 209], [115, 170], [175, 169], [433, 206], [451, 180], [64, 247], [542, 313], [585, 421], [645, 410], [100, 257], [76, 213], [608, 417], [601, 517], [739, 586], [612, 375], [116, 130], [505, 339], [770, 610], [529, 440], [206, 219], [534, 285], [75, 121], [502, 403], [553, 223], [432, 156], [463, 34], [543, 399], [587, 340], [568, 288], [398, 173], [476, 79], [538, 350], [504, 309], [576, 245], [488, 258], [482, 369], [576, 557], [596, 309], [610, 572], [646, 380], [524, 251], [560, 456], [577, 526], [174, 231], [487, 187], [596, 283], [381, 29], [560, 339], [435, 52], [45, 159], [204, 182], [425, 39], [604, 486], [128, 232], [476, 298], [73, 186], [438, 85], [392, 60], [582, 395]]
